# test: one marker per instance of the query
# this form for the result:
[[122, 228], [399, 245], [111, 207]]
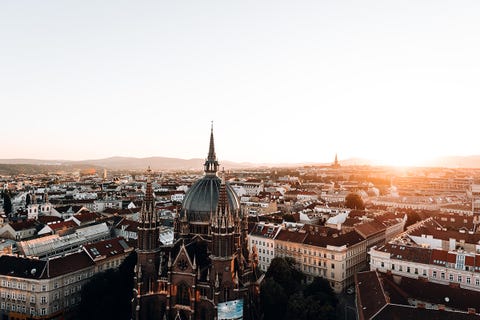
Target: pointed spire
[[149, 190], [211, 163]]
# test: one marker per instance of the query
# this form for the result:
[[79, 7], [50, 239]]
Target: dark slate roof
[[202, 199], [399, 312], [21, 267], [370, 295], [458, 298]]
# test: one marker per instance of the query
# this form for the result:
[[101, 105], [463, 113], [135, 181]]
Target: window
[[477, 281], [183, 297], [44, 300], [32, 310], [393, 266], [459, 278], [382, 264], [442, 275], [469, 280], [434, 274], [408, 269], [416, 270], [43, 311], [460, 263], [44, 288], [450, 277], [32, 299], [333, 265]]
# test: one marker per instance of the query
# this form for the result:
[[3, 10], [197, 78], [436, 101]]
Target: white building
[[262, 238]]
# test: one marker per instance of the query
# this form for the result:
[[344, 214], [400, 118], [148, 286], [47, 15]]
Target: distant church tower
[[335, 163]]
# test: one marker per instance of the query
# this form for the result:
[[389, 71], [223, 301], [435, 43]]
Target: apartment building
[[49, 289]]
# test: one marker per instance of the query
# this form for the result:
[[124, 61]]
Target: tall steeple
[[335, 163], [211, 163], [148, 223]]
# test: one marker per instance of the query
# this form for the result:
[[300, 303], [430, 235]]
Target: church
[[207, 273]]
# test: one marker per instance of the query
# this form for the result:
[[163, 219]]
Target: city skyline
[[283, 83]]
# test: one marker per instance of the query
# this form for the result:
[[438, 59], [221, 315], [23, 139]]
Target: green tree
[[7, 202], [108, 294], [28, 200], [284, 272], [274, 300], [354, 201]]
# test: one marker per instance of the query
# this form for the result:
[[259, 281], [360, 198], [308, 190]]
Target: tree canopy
[[7, 202], [284, 295], [354, 201], [108, 294]]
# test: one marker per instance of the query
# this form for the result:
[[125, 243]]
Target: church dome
[[202, 199]]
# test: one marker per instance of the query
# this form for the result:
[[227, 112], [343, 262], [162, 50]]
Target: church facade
[[207, 273]]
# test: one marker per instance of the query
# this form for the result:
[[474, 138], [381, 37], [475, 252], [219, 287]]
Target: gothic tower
[[148, 255]]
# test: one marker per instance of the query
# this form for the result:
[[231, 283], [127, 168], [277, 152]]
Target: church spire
[[211, 163]]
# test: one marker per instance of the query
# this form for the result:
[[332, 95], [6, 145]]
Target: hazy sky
[[284, 81]]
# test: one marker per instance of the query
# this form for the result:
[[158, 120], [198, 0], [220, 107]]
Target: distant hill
[[159, 163], [165, 163], [121, 163]]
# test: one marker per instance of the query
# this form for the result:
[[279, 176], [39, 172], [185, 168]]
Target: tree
[[354, 201], [284, 272], [274, 300], [28, 200], [108, 294], [412, 218], [7, 202]]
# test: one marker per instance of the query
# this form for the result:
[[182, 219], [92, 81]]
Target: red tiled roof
[[291, 236], [438, 257], [69, 263], [267, 231], [86, 216], [407, 253], [107, 248], [23, 225], [62, 225], [369, 229], [47, 219]]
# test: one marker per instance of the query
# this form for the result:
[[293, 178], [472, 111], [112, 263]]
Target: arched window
[[183, 296]]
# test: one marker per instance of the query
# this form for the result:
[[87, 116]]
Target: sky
[[283, 81]]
